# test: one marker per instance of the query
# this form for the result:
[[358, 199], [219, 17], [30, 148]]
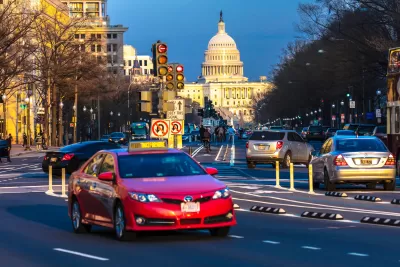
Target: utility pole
[[98, 116], [75, 120], [28, 119]]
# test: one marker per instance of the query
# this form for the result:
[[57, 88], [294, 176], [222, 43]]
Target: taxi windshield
[[157, 165]]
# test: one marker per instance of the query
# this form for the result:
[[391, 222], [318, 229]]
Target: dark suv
[[315, 133]]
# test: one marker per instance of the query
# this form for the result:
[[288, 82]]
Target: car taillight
[[45, 157], [390, 160], [247, 144], [279, 145], [67, 157], [339, 161], [308, 132]]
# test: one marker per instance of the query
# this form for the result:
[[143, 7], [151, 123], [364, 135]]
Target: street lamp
[[119, 114], [27, 100], [84, 108], [74, 108], [61, 104], [91, 110], [4, 97], [319, 110], [378, 92], [342, 103], [111, 113], [333, 105]]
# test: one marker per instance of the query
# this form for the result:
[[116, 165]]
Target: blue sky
[[261, 29]]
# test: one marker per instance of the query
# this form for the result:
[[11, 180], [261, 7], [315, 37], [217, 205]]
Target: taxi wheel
[[120, 225], [77, 224], [220, 232], [328, 185]]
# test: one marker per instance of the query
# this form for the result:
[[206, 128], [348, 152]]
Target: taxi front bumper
[[166, 216], [348, 174]]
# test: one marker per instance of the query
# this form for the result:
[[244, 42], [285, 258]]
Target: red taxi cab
[[148, 188]]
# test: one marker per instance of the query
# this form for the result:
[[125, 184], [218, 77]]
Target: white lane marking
[[232, 161], [314, 205], [332, 227], [81, 254], [236, 236], [357, 254], [197, 151], [271, 242], [248, 175], [219, 152], [312, 248]]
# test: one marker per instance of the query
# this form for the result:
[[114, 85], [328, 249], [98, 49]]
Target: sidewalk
[[17, 150]]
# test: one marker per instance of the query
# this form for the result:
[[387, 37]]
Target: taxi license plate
[[190, 207], [263, 147], [53, 159], [366, 161]]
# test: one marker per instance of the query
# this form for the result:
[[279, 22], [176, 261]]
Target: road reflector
[[267, 210], [322, 215], [367, 198], [236, 206], [335, 194], [381, 221]]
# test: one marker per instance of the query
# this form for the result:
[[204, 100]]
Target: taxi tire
[[126, 235], [328, 185], [390, 186], [220, 232], [82, 228]]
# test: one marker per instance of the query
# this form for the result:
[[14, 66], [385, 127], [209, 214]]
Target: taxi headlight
[[224, 193], [144, 197]]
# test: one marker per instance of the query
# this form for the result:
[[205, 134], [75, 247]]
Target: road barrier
[[291, 177], [226, 153], [322, 215], [50, 191], [50, 180], [381, 221], [267, 210], [310, 179], [395, 201], [367, 198], [190, 151], [277, 175], [63, 183], [335, 194]]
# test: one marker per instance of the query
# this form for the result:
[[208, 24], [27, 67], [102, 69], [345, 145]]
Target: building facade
[[145, 62], [223, 81]]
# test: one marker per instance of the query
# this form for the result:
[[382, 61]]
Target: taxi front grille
[[178, 201], [159, 222], [190, 221]]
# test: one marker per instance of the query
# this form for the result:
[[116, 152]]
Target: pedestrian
[[39, 141], [25, 137], [9, 141], [201, 131]]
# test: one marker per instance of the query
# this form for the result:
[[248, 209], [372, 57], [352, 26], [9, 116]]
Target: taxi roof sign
[[147, 145]]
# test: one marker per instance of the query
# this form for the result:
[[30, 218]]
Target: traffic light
[[348, 95], [179, 77], [170, 77], [200, 112], [160, 59]]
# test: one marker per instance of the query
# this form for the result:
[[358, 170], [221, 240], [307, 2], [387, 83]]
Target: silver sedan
[[351, 159]]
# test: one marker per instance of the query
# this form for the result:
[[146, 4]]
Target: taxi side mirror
[[211, 171], [106, 176]]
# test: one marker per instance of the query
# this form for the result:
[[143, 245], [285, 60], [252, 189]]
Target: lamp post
[[28, 123], [378, 94], [332, 110], [60, 125], [4, 98], [111, 124]]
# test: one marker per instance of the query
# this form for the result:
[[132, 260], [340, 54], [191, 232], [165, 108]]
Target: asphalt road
[[37, 231]]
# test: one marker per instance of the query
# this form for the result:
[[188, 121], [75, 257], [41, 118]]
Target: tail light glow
[[279, 145], [390, 160], [67, 156], [247, 144], [339, 161]]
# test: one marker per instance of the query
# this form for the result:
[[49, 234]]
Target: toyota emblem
[[188, 198]]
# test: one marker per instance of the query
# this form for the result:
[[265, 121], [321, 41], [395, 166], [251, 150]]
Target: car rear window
[[158, 165], [3, 142], [365, 129], [276, 128], [117, 135], [315, 129], [345, 132], [355, 145], [270, 136], [352, 127], [332, 130]]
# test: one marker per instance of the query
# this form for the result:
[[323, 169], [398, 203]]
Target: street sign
[[352, 104], [179, 110], [160, 128], [378, 113], [177, 127], [342, 118]]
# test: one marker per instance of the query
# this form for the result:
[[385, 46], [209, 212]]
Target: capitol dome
[[222, 58]]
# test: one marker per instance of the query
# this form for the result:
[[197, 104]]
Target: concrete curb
[[267, 210], [322, 215], [380, 221], [335, 194], [367, 198]]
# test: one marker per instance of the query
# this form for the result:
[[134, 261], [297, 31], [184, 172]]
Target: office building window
[[108, 35], [130, 63], [145, 62], [98, 48], [140, 62], [76, 36], [108, 48], [151, 71], [93, 36], [115, 47], [114, 36], [93, 48], [145, 71], [83, 36]]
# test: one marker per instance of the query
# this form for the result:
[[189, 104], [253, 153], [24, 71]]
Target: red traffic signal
[[162, 48], [179, 68]]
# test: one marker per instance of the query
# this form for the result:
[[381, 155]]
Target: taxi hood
[[174, 184]]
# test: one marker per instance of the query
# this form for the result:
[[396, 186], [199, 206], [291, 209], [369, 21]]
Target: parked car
[[330, 132], [351, 126], [119, 138], [360, 160], [315, 133], [345, 132], [284, 146], [3, 148], [105, 137], [73, 156], [380, 132]]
